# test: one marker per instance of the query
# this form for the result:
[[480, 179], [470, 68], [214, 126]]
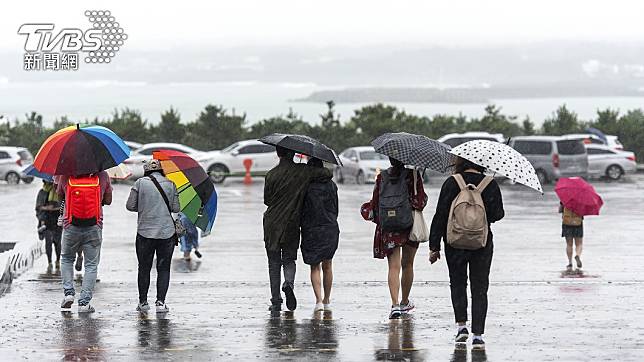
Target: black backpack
[[394, 207]]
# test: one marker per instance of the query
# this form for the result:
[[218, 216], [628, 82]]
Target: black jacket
[[491, 198], [319, 222]]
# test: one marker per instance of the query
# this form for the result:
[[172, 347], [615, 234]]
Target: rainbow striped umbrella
[[80, 150], [197, 195]]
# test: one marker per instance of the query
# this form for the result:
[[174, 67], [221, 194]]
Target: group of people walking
[[304, 197], [302, 212], [153, 197]]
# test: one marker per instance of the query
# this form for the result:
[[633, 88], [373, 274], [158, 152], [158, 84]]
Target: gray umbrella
[[415, 150], [302, 144]]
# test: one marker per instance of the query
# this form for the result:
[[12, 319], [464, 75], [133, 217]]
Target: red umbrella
[[578, 196]]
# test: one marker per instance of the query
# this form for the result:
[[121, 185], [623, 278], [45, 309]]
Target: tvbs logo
[[47, 49]]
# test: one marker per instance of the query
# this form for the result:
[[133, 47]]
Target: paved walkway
[[219, 306]]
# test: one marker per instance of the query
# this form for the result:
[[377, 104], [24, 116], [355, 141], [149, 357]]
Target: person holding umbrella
[[284, 191], [154, 198], [577, 199], [397, 195], [320, 234], [78, 156], [469, 202]]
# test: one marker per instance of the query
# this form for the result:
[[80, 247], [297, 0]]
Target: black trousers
[[479, 262], [53, 236], [277, 259], [145, 251]]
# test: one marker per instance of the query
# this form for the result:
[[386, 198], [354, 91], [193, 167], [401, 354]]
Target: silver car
[[605, 161], [361, 164], [12, 161], [553, 157]]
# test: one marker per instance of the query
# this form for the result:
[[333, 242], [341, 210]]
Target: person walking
[[320, 234], [189, 240], [154, 198], [397, 192], [47, 210], [572, 229], [468, 204], [284, 190], [84, 196]]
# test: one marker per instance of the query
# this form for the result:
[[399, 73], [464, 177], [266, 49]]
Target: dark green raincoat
[[284, 191]]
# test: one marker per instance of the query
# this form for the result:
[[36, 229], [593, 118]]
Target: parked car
[[606, 161], [455, 139], [613, 142], [135, 162], [133, 145], [12, 161], [592, 139], [361, 164], [553, 157], [229, 162]]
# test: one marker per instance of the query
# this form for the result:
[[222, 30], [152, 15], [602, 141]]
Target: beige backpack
[[467, 226]]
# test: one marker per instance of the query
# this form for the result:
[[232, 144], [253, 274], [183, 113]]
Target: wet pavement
[[218, 304]]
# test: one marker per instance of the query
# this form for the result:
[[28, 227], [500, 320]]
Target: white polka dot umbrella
[[500, 158]]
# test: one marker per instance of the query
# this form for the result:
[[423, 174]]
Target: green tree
[[215, 128], [494, 121], [291, 123], [170, 129], [30, 133], [562, 122], [129, 125], [528, 127]]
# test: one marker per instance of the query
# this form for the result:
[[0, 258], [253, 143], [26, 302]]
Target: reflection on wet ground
[[219, 303], [154, 334], [180, 265], [400, 341], [317, 335], [461, 351], [80, 337]]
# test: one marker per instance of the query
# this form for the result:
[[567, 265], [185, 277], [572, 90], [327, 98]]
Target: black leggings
[[52, 236], [145, 250], [479, 262]]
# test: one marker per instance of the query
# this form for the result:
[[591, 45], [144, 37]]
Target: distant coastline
[[465, 95]]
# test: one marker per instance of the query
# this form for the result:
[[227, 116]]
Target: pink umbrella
[[578, 196]]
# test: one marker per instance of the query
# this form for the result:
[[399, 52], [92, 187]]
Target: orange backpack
[[83, 200]]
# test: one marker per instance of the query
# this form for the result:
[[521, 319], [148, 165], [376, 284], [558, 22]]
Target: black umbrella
[[302, 144], [415, 150]]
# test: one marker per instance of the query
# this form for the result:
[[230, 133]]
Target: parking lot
[[219, 303]]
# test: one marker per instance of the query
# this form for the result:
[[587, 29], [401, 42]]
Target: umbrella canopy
[[77, 150], [120, 172], [500, 158], [303, 144], [597, 133], [579, 196], [415, 150], [31, 171], [197, 195]]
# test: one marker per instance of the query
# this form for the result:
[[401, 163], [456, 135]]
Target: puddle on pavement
[[400, 341], [577, 274], [185, 266], [286, 335]]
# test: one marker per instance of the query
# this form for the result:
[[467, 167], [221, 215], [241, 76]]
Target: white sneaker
[[327, 307], [87, 308], [318, 307], [161, 307], [66, 305], [143, 307], [406, 308]]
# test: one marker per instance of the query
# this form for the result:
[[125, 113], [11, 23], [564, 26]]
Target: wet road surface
[[218, 304]]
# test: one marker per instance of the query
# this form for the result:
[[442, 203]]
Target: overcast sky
[[155, 26]]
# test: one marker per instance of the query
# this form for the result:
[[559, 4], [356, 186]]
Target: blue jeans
[[88, 239]]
